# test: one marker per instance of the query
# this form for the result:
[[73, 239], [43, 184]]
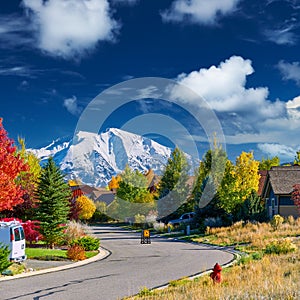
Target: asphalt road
[[130, 267]]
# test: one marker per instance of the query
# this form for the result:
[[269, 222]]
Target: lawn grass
[[52, 254], [256, 276]]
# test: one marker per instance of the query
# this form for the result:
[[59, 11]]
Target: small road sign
[[145, 237]]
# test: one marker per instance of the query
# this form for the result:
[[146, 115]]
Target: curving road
[[130, 267]]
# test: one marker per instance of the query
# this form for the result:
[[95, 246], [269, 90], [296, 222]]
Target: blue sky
[[241, 56]]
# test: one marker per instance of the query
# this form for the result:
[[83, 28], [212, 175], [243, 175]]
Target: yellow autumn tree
[[246, 174], [86, 207], [74, 182]]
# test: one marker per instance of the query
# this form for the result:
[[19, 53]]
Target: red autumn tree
[[296, 195], [10, 167]]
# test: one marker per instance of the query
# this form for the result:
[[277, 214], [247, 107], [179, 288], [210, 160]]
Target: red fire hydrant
[[216, 274]]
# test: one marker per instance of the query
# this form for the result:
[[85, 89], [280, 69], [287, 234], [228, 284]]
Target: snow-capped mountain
[[95, 158]]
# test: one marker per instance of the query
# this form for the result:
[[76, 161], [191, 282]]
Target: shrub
[[4, 254], [213, 222], [282, 246], [151, 218], [76, 252], [139, 219], [290, 220], [88, 243], [31, 231], [74, 230], [276, 221], [144, 292], [159, 226]]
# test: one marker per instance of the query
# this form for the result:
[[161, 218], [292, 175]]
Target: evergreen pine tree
[[53, 208], [173, 188]]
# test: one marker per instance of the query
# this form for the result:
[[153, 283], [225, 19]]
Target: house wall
[[272, 203], [288, 210]]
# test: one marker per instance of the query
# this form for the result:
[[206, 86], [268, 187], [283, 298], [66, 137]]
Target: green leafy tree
[[4, 257], [209, 175], [53, 206], [173, 188], [297, 158], [267, 164], [132, 186], [228, 195], [238, 183], [253, 208], [132, 196]]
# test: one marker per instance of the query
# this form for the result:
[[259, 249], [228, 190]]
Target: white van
[[12, 235]]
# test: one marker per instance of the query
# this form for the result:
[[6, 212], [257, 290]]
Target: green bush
[[276, 221], [144, 292], [88, 243], [280, 247], [4, 254], [139, 219]]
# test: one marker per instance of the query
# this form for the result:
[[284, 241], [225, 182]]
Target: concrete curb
[[103, 253]]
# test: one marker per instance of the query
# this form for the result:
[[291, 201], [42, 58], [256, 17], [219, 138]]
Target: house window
[[273, 206], [286, 200]]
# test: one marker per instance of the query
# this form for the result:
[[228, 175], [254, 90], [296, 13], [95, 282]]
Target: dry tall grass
[[256, 235], [275, 277]]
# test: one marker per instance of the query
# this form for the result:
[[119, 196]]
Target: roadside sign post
[[145, 237]]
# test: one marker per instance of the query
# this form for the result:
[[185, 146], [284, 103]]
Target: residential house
[[277, 190]]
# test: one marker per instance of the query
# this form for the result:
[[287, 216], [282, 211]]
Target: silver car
[[184, 219]]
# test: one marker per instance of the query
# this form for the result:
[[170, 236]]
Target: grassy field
[[52, 254], [256, 276]]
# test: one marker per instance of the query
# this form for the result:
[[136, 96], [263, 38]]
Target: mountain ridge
[[95, 158]]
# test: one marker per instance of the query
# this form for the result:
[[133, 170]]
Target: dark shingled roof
[[283, 178]]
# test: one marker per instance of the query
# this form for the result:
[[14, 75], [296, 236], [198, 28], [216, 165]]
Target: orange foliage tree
[[11, 165], [114, 183]]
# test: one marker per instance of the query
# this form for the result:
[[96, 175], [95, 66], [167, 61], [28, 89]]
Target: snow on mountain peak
[[95, 158]]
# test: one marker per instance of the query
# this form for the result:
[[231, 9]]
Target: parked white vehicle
[[12, 235]]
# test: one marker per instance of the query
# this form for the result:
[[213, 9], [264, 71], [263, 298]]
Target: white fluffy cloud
[[72, 106], [283, 151], [199, 11], [224, 88], [290, 71], [293, 108], [246, 113], [69, 28]]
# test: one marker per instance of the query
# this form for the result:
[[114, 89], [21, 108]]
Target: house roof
[[107, 198], [284, 178], [262, 179]]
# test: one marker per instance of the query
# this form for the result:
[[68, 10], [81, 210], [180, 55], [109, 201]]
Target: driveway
[[130, 267]]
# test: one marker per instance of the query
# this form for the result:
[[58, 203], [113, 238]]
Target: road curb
[[103, 253], [237, 255]]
